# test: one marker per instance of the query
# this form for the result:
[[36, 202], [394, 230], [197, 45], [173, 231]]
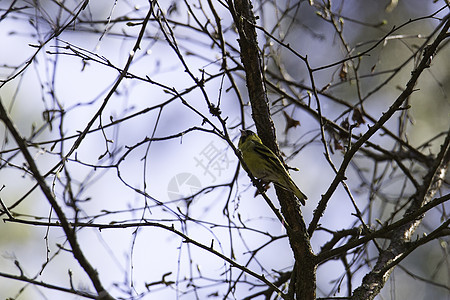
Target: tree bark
[[303, 280], [401, 245]]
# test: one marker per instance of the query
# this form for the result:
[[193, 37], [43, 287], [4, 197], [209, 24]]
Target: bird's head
[[248, 135]]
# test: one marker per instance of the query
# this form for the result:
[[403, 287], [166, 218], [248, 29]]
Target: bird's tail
[[302, 197], [291, 186]]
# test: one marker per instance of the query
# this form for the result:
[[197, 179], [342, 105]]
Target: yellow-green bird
[[265, 165]]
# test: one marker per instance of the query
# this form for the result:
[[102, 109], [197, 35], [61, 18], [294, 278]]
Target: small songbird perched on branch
[[265, 165]]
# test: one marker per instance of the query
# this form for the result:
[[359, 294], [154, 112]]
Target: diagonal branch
[[68, 229], [415, 74], [399, 247]]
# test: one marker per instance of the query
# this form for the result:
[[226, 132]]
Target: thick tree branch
[[374, 281], [304, 282]]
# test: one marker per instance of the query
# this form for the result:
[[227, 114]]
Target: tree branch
[[374, 281], [305, 280]]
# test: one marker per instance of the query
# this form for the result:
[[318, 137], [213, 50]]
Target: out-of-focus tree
[[120, 174]]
